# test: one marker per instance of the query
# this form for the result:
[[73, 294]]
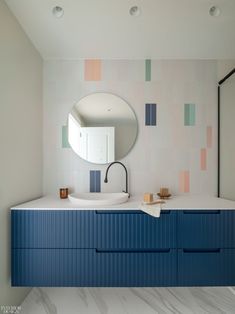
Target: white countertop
[[194, 202]]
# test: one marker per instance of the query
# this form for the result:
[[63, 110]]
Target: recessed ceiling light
[[58, 12], [134, 11], [214, 11]]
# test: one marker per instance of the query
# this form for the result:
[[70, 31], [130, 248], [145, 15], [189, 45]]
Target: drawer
[[124, 229], [206, 229], [136, 268], [53, 229], [93, 268], [52, 267], [206, 267]]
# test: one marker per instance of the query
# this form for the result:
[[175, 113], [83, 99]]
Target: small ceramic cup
[[64, 192]]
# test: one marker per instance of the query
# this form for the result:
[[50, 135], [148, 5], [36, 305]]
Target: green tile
[[65, 143], [189, 114], [147, 70]]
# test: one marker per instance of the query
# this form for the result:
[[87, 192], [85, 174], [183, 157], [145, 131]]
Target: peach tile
[[203, 158], [184, 186], [186, 181], [209, 137], [92, 70]]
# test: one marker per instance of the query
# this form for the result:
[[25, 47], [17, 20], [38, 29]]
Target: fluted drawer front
[[92, 229], [122, 229], [137, 269], [90, 267], [53, 267], [206, 229], [208, 267], [53, 229]]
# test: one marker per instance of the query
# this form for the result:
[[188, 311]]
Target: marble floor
[[130, 300]]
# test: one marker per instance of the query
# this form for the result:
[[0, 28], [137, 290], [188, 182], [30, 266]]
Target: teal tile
[[147, 70], [189, 114], [65, 142]]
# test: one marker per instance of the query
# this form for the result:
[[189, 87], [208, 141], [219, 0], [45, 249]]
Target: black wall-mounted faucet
[[107, 170]]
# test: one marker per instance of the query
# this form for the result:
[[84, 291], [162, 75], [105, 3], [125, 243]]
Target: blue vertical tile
[[147, 114], [95, 184], [153, 114], [150, 114]]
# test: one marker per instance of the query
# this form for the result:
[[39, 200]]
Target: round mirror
[[102, 128]]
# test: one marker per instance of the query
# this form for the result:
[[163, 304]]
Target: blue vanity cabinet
[[206, 247], [93, 248], [122, 248]]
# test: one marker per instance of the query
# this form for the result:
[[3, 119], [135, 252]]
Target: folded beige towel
[[153, 210]]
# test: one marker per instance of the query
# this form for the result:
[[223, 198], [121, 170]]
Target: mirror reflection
[[102, 128]]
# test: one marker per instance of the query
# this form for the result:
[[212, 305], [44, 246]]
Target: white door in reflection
[[97, 144]]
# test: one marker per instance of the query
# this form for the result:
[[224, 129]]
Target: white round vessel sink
[[96, 199]]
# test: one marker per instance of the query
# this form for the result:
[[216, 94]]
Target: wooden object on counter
[[148, 197], [164, 196], [164, 191]]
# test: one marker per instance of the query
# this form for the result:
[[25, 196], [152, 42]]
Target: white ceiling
[[104, 29], [101, 107]]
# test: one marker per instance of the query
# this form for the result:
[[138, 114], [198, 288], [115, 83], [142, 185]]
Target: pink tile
[[203, 159], [209, 137], [92, 70], [181, 181], [184, 178]]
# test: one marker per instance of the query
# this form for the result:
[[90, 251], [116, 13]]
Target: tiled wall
[[176, 106]]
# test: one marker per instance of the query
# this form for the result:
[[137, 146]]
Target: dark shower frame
[[219, 103]]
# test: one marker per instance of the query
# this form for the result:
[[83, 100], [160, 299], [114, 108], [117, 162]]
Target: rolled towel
[[153, 209]]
